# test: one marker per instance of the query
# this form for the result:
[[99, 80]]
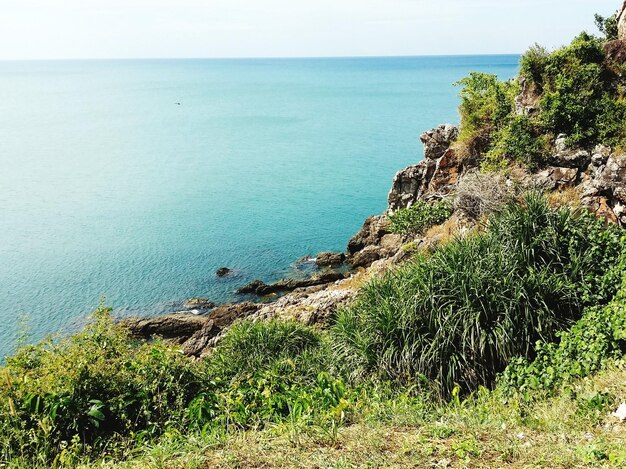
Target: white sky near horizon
[[56, 29]]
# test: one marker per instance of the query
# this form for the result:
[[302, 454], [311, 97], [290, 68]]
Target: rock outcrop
[[621, 22], [192, 332], [330, 259], [260, 288], [435, 176]]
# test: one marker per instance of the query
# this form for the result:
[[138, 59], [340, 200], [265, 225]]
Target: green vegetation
[[502, 347], [419, 217], [460, 315], [439, 327], [576, 90]]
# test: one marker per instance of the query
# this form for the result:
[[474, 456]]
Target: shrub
[[271, 371], [533, 63], [485, 106], [419, 217], [519, 140], [459, 315], [479, 194], [597, 340], [94, 392], [607, 26]]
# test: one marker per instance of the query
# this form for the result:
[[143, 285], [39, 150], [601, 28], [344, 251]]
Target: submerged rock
[[223, 272]]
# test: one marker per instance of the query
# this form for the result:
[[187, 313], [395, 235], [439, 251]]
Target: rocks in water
[[198, 303], [252, 287], [223, 272], [330, 259], [261, 288]]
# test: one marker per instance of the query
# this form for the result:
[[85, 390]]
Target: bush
[[486, 103], [579, 94], [419, 217], [597, 340], [269, 372], [607, 26], [94, 392], [480, 194], [460, 315], [519, 140]]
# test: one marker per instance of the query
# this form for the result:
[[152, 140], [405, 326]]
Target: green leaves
[[419, 217], [461, 314]]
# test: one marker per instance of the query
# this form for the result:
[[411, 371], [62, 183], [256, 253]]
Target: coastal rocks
[[223, 272], [198, 304], [261, 288], [330, 259], [438, 140], [177, 327], [373, 230], [192, 332], [621, 22], [374, 241], [431, 178]]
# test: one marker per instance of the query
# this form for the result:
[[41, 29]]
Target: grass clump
[[419, 217], [459, 315]]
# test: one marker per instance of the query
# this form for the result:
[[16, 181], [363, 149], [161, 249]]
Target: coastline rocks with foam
[[330, 259], [260, 288]]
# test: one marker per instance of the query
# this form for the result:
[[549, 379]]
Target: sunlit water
[[109, 188]]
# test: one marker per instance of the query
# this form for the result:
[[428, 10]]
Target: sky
[[61, 29]]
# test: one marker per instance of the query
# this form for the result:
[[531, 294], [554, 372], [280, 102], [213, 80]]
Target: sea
[[127, 183]]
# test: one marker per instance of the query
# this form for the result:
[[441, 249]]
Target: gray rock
[[366, 257], [371, 233], [223, 272], [438, 140], [555, 177], [330, 259], [262, 289], [198, 303], [172, 326]]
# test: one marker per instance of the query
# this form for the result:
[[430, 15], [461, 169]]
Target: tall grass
[[459, 315]]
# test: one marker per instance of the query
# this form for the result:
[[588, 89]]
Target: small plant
[[419, 217]]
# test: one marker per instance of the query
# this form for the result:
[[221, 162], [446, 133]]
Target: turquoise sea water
[[109, 188]]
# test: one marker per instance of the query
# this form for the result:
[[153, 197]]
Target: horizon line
[[294, 57]]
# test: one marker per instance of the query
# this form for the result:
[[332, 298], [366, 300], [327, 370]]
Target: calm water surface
[[108, 188]]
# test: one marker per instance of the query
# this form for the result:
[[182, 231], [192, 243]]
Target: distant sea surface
[[111, 189]]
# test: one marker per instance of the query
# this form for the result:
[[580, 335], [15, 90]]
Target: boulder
[[198, 303], [330, 259], [554, 177], [438, 140], [371, 233], [178, 327], [366, 257], [252, 287], [223, 272]]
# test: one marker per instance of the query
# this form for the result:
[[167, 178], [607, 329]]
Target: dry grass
[[567, 197]]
